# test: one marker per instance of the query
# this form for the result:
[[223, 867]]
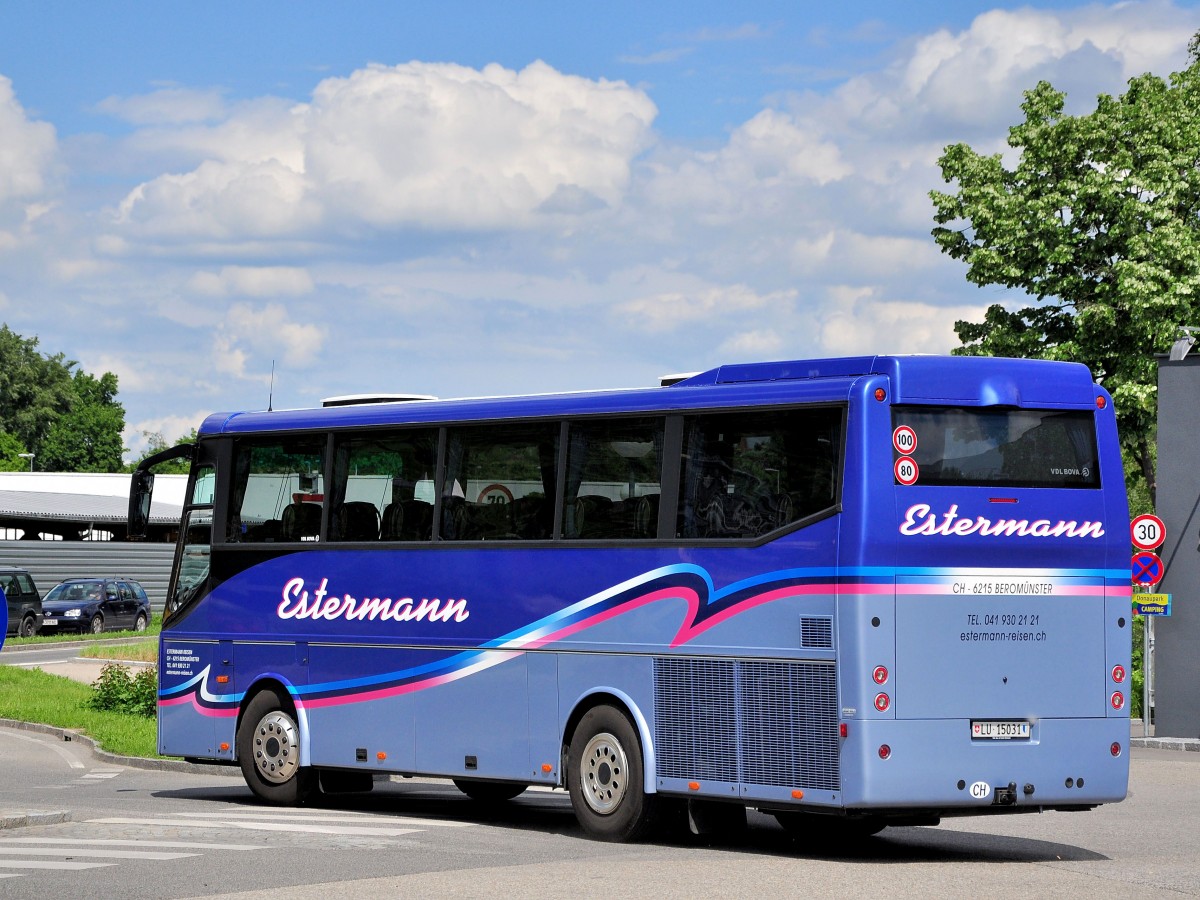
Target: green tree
[[155, 442], [34, 389], [87, 438], [10, 454], [1099, 222]]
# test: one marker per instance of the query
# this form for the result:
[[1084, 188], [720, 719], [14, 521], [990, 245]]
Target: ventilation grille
[[763, 723], [816, 632]]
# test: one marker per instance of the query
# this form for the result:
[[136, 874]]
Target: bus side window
[[376, 479], [500, 482], [277, 490], [614, 475], [749, 473]]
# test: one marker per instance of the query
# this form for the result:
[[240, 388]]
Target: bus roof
[[965, 381]]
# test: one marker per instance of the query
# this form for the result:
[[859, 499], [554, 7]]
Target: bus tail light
[[1115, 749], [882, 702], [1118, 674], [844, 730], [1117, 700], [880, 674], [885, 752]]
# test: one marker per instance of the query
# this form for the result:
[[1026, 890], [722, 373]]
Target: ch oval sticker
[[981, 790]]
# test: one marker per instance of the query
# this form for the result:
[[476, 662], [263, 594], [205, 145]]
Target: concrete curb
[[26, 818], [1166, 743]]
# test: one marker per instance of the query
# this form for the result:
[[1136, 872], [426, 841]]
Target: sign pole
[[1147, 668], [1147, 533]]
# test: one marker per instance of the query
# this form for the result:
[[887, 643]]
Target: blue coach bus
[[847, 592]]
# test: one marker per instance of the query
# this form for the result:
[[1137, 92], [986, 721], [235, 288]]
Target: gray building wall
[[49, 562], [1177, 637]]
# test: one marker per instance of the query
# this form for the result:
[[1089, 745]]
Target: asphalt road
[[116, 831]]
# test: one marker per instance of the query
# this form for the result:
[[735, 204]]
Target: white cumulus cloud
[[27, 148], [430, 145]]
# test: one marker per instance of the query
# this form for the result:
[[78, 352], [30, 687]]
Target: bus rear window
[[1029, 448]]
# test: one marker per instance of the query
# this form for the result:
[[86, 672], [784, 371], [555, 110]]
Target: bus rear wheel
[[605, 777], [489, 791], [268, 745]]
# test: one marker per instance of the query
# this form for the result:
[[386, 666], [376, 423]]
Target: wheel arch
[[288, 695], [618, 699]]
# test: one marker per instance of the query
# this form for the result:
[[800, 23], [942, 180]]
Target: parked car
[[24, 601], [95, 605]]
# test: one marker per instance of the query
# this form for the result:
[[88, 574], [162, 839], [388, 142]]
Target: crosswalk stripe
[[45, 864], [129, 842], [99, 853], [260, 826], [310, 817], [101, 775]]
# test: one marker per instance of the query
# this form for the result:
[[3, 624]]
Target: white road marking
[[99, 853], [129, 842], [261, 826], [360, 818], [53, 745], [44, 864]]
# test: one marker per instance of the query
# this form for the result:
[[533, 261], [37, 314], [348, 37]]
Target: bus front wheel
[[605, 777], [268, 745]]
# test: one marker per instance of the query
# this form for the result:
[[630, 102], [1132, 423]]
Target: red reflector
[[1115, 749], [844, 730], [1101, 403], [882, 702], [1117, 700], [880, 675], [884, 751], [1118, 674]]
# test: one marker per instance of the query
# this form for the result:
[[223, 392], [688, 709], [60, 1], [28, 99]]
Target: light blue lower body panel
[[935, 764]]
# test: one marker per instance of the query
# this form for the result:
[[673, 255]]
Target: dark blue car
[[95, 605]]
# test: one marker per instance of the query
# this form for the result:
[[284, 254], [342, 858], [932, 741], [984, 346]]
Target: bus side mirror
[[141, 489]]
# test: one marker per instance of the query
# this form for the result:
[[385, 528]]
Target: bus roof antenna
[[271, 390]]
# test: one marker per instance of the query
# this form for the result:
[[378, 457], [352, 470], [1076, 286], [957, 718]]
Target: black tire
[[490, 791], [829, 827], [97, 624], [140, 623], [268, 746], [28, 627], [605, 777]]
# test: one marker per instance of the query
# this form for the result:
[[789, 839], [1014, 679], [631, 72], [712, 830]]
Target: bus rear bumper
[[922, 764]]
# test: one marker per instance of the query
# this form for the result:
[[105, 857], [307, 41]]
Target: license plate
[[49, 621], [1004, 730]]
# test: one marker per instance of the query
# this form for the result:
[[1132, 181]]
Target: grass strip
[[145, 651], [70, 637], [32, 695]]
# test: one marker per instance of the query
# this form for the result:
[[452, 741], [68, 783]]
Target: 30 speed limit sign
[[1147, 532]]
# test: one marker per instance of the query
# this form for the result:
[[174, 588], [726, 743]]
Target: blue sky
[[461, 198]]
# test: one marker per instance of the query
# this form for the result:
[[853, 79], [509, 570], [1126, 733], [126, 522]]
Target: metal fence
[[49, 562]]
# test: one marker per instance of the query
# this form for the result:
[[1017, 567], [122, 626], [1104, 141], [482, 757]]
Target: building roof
[[74, 507]]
